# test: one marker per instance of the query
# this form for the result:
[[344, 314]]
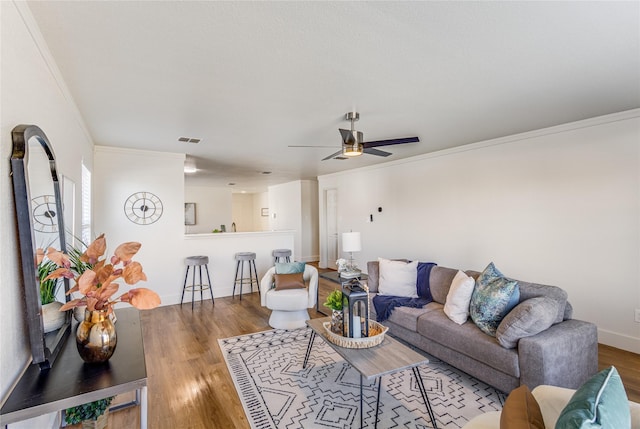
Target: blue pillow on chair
[[289, 267]]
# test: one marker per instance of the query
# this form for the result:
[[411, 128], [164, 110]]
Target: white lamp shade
[[351, 242]]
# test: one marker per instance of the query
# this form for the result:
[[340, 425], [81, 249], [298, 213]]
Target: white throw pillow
[[456, 307], [397, 278]]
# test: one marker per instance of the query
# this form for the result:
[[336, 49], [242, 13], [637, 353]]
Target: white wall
[[260, 201], [285, 211], [118, 173], [243, 212], [309, 243], [213, 208], [32, 93], [558, 206], [294, 206]]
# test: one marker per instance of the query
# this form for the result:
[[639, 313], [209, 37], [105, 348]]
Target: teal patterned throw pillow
[[493, 297]]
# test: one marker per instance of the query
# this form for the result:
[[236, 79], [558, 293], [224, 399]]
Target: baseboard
[[619, 341]]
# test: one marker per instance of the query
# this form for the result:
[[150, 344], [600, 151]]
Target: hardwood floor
[[188, 382]]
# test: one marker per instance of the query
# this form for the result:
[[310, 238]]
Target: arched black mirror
[[39, 218]]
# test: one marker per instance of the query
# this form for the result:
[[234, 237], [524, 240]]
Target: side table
[[72, 382]]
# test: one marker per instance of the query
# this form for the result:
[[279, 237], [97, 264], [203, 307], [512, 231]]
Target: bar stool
[[241, 257], [281, 255], [196, 262]]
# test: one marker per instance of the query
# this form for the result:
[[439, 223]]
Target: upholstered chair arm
[[265, 285], [311, 275]]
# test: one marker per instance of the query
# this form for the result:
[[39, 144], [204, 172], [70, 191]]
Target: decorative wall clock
[[44, 213], [143, 208]]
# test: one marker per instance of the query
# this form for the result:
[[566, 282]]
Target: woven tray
[[357, 343]]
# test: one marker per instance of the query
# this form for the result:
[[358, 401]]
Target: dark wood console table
[[72, 382]]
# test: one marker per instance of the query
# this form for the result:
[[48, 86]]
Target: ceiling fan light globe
[[352, 150]]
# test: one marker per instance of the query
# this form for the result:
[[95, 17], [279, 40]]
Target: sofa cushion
[[493, 297], [398, 278], [530, 317], [407, 317], [457, 305], [440, 282], [521, 411], [601, 402], [469, 340], [287, 299], [532, 290], [373, 274]]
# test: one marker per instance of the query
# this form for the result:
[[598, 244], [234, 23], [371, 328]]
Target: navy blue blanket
[[384, 304]]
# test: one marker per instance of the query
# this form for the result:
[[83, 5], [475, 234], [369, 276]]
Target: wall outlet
[[638, 315]]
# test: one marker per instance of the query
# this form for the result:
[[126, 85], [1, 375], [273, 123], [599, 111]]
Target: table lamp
[[351, 243]]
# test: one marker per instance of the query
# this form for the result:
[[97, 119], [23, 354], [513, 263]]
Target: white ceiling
[[251, 78]]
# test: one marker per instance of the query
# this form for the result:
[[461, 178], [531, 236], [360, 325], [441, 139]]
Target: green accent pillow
[[601, 402], [493, 297], [289, 267]]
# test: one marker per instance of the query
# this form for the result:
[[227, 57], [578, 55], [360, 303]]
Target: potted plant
[[97, 285], [92, 415], [334, 302], [52, 318]]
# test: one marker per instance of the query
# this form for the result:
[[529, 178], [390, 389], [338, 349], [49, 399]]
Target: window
[[86, 205]]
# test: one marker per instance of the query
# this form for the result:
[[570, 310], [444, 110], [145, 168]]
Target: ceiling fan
[[353, 144]]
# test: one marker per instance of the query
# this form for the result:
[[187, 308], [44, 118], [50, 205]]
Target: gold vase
[[96, 337]]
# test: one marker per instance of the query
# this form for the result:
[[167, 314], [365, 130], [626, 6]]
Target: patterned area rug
[[277, 392]]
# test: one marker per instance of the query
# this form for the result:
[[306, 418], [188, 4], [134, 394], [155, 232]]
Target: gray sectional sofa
[[565, 354]]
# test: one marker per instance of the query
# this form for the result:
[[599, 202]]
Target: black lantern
[[355, 310]]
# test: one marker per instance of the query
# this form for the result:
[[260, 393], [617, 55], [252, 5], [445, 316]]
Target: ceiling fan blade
[[378, 152], [351, 137], [347, 136], [390, 142], [333, 155]]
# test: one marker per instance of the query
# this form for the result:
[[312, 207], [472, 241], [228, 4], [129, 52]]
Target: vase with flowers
[[96, 337]]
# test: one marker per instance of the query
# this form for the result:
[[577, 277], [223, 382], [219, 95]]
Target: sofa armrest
[[564, 355]]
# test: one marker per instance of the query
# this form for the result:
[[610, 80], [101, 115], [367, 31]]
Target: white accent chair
[[552, 400], [289, 306]]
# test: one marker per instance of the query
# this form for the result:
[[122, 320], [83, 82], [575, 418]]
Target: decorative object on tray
[[92, 415], [97, 342], [350, 324], [334, 302], [376, 336], [355, 307], [350, 243]]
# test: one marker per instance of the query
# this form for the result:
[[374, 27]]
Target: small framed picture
[[189, 213], [264, 211]]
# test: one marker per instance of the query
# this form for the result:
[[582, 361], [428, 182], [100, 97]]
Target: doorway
[[331, 218]]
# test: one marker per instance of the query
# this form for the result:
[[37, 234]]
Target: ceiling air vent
[[189, 140]]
